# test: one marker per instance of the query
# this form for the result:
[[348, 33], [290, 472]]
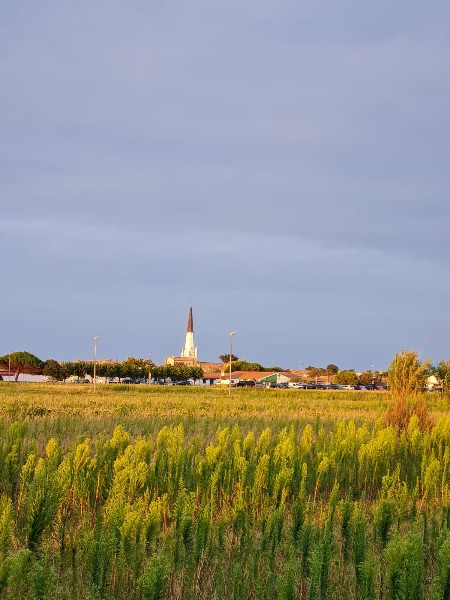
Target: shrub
[[407, 376]]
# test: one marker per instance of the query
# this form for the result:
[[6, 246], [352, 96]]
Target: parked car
[[245, 383]]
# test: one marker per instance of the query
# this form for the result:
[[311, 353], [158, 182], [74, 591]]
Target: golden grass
[[176, 404]]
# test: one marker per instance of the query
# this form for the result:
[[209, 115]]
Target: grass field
[[153, 492]]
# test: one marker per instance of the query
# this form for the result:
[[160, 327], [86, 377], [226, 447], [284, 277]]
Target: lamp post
[[95, 357], [300, 365], [9, 367], [231, 354], [149, 368]]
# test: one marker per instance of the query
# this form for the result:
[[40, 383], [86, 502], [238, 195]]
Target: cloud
[[265, 160]]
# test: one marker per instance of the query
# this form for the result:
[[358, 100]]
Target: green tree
[[332, 369], [243, 365], [79, 368], [136, 368], [367, 378], [113, 370], [348, 377], [195, 373], [443, 372], [225, 358], [315, 371], [55, 370], [22, 362]]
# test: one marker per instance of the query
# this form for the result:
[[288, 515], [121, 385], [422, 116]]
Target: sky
[[282, 166]]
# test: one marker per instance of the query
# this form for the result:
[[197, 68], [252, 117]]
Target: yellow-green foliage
[[407, 375], [191, 496]]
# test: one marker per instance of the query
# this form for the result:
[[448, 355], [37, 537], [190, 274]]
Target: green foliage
[[42, 504], [225, 358], [6, 526], [55, 370], [407, 375], [153, 582], [190, 496], [177, 372], [42, 580], [243, 365], [22, 362], [346, 378], [404, 565], [443, 372], [383, 518], [367, 378], [442, 584]]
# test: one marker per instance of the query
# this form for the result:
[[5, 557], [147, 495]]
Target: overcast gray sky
[[282, 165]]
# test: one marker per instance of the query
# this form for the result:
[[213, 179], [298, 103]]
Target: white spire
[[189, 350]]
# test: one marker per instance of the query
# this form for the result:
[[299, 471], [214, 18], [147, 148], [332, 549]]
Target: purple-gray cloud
[[282, 166]]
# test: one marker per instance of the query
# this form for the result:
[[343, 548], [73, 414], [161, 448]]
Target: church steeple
[[189, 350], [190, 326]]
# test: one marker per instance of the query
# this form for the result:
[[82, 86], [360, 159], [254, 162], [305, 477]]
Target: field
[[146, 492]]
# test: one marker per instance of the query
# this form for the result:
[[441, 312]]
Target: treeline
[[132, 368]]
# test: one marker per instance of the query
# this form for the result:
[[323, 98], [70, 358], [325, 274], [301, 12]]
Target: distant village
[[186, 369]]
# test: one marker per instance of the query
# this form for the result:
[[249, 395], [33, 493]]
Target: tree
[[348, 377], [443, 372], [332, 369], [79, 368], [243, 365], [22, 362], [315, 371], [55, 370], [195, 373], [225, 358], [135, 368], [367, 378], [407, 376]]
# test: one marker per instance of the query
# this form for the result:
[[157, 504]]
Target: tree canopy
[[55, 370], [22, 362], [225, 358], [177, 372], [443, 372], [348, 377]]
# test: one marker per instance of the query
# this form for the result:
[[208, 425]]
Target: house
[[256, 376]]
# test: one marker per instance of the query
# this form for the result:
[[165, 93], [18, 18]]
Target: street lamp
[[231, 354], [95, 356], [149, 367], [300, 365]]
